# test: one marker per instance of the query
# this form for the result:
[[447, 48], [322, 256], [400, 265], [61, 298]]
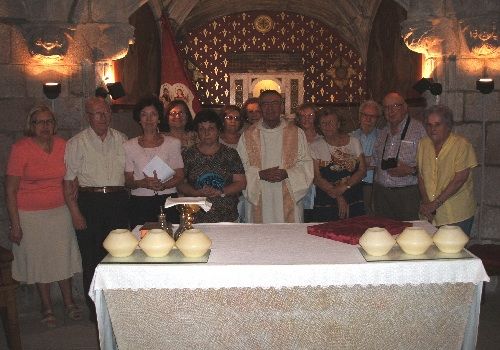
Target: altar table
[[276, 287]]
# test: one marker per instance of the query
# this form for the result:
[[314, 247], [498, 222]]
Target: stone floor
[[82, 335]]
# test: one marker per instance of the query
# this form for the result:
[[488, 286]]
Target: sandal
[[48, 318], [74, 312]]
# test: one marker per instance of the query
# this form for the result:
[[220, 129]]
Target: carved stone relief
[[481, 34], [46, 40], [432, 37]]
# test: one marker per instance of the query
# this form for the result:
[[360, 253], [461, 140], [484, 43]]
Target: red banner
[[175, 82]]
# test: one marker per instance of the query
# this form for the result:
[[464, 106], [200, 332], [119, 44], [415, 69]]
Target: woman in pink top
[[148, 193], [45, 248]]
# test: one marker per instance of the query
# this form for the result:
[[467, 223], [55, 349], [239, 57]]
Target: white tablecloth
[[277, 256], [282, 255]]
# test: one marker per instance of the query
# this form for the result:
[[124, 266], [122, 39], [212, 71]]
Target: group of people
[[252, 164]]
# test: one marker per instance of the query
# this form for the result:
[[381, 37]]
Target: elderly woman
[[339, 167], [148, 193], [251, 112], [232, 123], [213, 170], [304, 119], [445, 160], [45, 248], [178, 123]]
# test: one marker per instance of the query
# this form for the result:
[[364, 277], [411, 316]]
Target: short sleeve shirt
[[216, 171], [95, 162], [457, 154], [137, 157], [41, 174]]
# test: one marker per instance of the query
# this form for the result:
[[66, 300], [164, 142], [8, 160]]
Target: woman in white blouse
[[148, 193], [339, 167]]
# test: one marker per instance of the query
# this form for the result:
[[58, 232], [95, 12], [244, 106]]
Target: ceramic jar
[[193, 243], [120, 243], [414, 240], [157, 243], [377, 241], [450, 239]]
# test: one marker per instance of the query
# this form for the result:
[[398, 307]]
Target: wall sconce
[[115, 90], [423, 85], [436, 89], [52, 90], [485, 85]]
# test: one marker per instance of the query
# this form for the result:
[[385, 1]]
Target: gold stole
[[289, 151]]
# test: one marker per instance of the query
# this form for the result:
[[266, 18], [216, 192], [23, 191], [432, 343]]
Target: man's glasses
[[327, 124], [396, 106], [308, 115], [48, 122], [369, 115]]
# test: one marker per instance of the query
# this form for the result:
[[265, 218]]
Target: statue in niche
[[431, 37], [47, 40], [481, 34]]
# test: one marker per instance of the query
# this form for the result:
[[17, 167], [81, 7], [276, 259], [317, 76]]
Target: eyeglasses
[[369, 115], [271, 104], [396, 106], [98, 114], [48, 122], [176, 113], [308, 115], [232, 117], [330, 123]]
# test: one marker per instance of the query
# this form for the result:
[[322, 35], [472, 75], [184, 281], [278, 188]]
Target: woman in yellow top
[[445, 160]]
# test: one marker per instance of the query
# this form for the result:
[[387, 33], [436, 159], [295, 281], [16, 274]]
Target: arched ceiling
[[351, 19]]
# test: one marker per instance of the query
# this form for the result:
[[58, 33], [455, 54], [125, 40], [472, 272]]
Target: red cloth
[[41, 173], [173, 70], [350, 230]]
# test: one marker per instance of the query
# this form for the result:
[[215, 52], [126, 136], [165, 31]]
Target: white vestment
[[299, 166]]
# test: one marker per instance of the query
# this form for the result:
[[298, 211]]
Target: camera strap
[[403, 135]]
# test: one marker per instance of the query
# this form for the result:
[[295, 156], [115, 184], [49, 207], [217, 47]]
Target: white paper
[[201, 201], [163, 171]]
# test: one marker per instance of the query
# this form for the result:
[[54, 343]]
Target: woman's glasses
[[48, 122], [232, 117], [176, 113]]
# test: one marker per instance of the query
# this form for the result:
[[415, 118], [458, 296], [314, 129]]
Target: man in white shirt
[[277, 163], [95, 163]]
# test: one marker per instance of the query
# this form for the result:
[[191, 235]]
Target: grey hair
[[92, 101], [443, 111], [28, 127], [373, 104]]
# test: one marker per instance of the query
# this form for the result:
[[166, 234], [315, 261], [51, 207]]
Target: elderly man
[[369, 112], [277, 163], [395, 192], [95, 161]]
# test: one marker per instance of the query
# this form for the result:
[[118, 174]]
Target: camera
[[389, 163]]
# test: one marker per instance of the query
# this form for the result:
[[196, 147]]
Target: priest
[[278, 166]]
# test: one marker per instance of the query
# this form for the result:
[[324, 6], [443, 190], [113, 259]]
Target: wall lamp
[[485, 85], [115, 90], [51, 90], [425, 84]]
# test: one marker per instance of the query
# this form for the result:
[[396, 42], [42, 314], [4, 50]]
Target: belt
[[401, 188], [104, 189]]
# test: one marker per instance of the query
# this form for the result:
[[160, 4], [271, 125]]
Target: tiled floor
[[82, 335]]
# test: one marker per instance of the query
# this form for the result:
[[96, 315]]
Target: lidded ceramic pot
[[450, 239], [414, 240], [193, 243], [377, 241], [156, 243], [120, 243]]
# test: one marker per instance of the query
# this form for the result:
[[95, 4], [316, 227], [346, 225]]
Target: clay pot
[[120, 243], [450, 239], [377, 241], [193, 243], [157, 243], [414, 240]]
